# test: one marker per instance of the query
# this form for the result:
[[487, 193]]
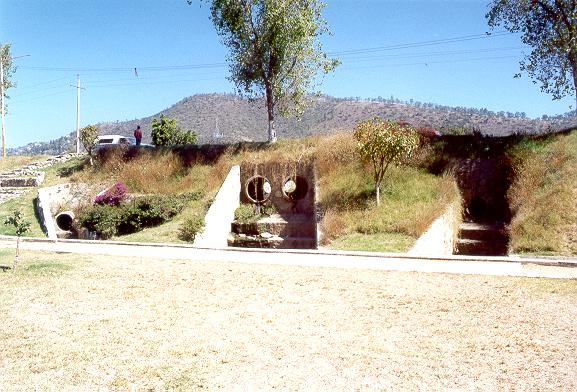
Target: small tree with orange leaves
[[384, 142]]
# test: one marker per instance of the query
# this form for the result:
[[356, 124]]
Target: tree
[[6, 72], [275, 50], [382, 143], [7, 67], [89, 139], [550, 28], [165, 132], [21, 227]]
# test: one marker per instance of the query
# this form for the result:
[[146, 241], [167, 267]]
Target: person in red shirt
[[138, 135]]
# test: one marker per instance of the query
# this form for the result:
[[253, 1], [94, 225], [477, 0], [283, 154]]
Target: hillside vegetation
[[411, 197], [543, 196], [225, 118]]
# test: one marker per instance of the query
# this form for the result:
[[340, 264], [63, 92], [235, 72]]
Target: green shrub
[[249, 213], [141, 212], [244, 212], [190, 228], [102, 219], [165, 132]]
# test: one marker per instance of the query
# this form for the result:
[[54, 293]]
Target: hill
[[227, 118]]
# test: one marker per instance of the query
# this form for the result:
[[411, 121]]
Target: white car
[[111, 140]]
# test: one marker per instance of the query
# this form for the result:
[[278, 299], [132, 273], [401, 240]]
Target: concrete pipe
[[64, 220]]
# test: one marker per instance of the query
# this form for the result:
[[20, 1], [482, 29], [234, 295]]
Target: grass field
[[80, 322]]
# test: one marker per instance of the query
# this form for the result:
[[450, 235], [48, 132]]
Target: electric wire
[[363, 58]]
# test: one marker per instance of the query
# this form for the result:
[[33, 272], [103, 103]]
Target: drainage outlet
[[64, 220]]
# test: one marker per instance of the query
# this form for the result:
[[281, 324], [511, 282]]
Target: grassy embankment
[[411, 197], [543, 196], [23, 203]]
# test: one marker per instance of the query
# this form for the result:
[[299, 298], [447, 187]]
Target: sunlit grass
[[25, 204], [16, 161], [542, 196], [380, 242], [411, 198]]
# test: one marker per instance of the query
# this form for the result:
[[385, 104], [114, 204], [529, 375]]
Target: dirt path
[[116, 323]]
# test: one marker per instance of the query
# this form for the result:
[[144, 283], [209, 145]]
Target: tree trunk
[[378, 189], [17, 254], [574, 68], [270, 111]]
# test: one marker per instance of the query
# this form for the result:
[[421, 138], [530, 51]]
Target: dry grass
[[154, 173], [411, 198], [335, 151], [74, 322], [13, 162], [148, 172], [542, 196], [411, 201]]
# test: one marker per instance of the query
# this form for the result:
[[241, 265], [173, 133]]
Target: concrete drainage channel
[[484, 181]]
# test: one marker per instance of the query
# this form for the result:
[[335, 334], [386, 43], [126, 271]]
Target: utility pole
[[78, 88], [2, 97]]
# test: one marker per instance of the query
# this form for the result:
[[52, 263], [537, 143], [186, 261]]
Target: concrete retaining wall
[[440, 238], [55, 199], [221, 213]]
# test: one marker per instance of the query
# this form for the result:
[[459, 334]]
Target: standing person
[[138, 135]]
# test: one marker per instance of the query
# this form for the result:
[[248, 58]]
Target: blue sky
[[177, 53]]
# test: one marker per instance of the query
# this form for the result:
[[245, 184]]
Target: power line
[[422, 43], [126, 69], [435, 54], [365, 58], [42, 83], [426, 63], [224, 64]]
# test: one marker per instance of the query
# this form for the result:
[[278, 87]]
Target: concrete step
[[481, 248], [256, 241], [295, 226], [482, 232]]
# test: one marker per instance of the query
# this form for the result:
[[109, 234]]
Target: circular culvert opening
[[295, 188], [64, 220], [258, 189]]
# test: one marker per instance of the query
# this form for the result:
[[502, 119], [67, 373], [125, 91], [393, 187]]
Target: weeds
[[542, 196], [191, 227], [13, 162], [411, 199]]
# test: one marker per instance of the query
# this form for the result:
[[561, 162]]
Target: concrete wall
[[277, 173], [440, 237], [55, 199], [45, 205], [221, 213]]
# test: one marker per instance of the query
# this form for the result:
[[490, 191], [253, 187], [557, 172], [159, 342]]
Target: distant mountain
[[226, 118]]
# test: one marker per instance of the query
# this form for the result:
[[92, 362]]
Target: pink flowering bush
[[113, 196]]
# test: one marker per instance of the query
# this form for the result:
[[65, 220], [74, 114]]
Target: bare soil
[[112, 323]]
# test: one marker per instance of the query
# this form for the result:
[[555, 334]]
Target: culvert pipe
[[64, 220]]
